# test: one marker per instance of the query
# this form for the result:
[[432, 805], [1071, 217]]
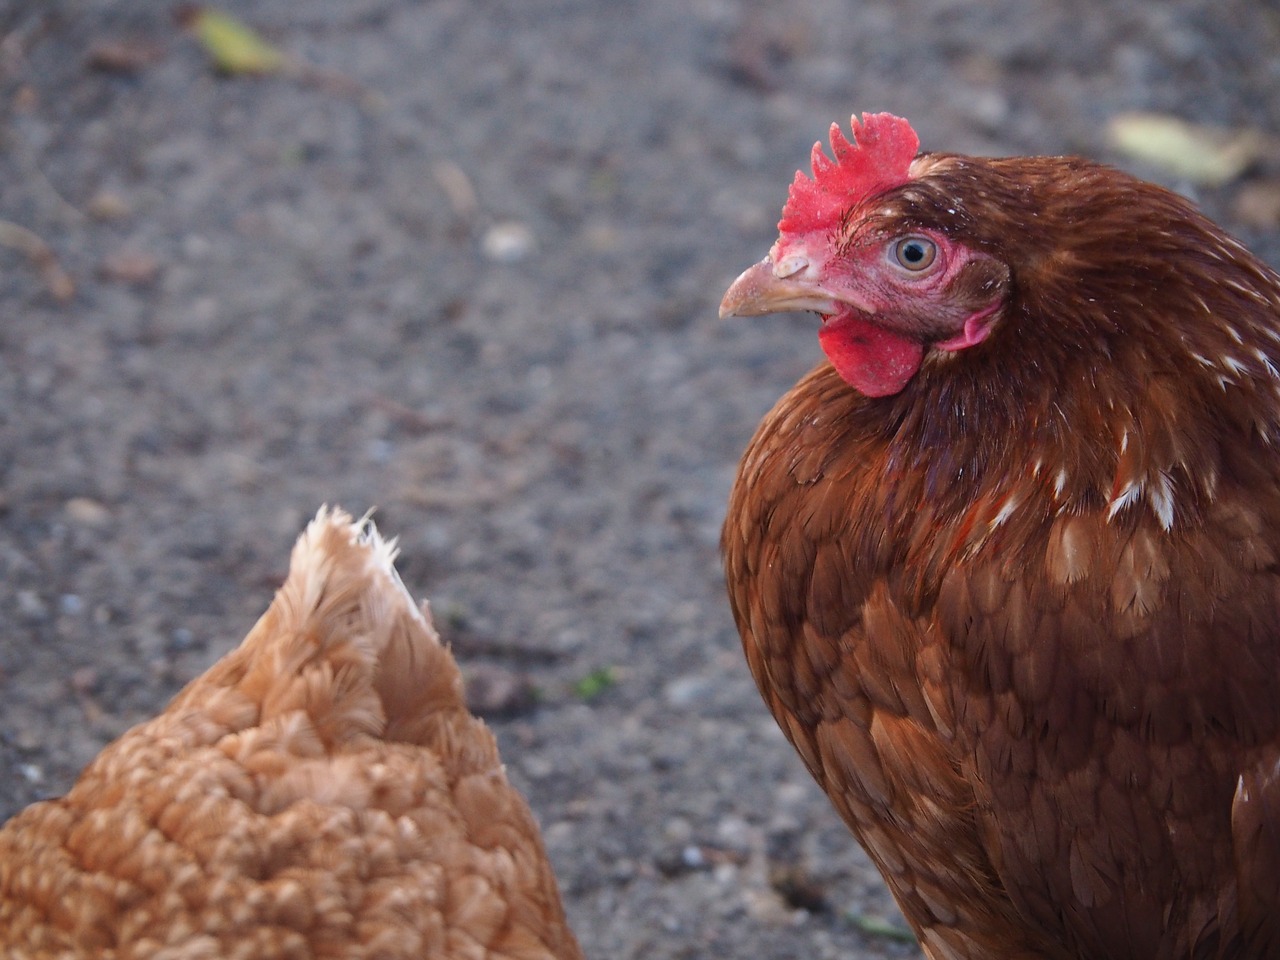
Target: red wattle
[[874, 361]]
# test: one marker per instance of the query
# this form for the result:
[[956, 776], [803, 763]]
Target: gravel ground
[[463, 266]]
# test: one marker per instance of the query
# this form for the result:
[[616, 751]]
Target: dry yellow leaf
[[1207, 156], [234, 47]]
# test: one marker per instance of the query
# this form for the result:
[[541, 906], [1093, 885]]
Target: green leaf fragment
[[595, 683], [874, 926]]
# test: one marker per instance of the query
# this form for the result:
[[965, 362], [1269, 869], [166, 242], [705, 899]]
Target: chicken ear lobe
[[873, 360]]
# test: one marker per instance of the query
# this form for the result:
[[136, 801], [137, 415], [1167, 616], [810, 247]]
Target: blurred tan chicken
[[321, 792]]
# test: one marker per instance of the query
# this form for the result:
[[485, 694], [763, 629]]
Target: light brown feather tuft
[[321, 790]]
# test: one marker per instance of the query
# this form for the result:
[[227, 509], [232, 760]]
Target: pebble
[[108, 205], [765, 906], [126, 56], [133, 268], [87, 511], [677, 829], [380, 450], [84, 680], [692, 857], [687, 691], [30, 606], [494, 691], [27, 738], [537, 768], [181, 639], [507, 242], [734, 832]]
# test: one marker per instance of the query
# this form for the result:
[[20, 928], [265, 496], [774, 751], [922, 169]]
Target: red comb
[[879, 158]]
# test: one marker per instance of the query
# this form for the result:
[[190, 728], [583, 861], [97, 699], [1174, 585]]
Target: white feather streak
[[1131, 492]]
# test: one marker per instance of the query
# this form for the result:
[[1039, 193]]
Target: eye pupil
[[915, 253]]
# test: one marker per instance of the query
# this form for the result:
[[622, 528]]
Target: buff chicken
[[1005, 563], [321, 791]]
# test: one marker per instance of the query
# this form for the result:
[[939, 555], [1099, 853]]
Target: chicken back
[[321, 792], [1005, 565]]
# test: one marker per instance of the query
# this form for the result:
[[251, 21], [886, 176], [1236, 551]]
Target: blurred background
[[460, 260]]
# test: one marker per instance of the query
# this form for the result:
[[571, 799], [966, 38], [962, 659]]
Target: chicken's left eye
[[915, 253]]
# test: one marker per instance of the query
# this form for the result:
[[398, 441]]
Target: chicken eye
[[915, 253]]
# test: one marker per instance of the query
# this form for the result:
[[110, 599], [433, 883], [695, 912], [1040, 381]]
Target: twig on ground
[[27, 242]]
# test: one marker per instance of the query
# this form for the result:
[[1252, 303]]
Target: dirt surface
[[463, 266]]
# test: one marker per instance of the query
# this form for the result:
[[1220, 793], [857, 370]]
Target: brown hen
[[1005, 568], [321, 791]]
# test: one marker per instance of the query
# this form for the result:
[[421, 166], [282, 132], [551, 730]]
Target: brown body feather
[[321, 792], [1022, 619]]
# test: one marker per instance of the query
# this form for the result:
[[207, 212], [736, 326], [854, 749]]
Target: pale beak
[[775, 288]]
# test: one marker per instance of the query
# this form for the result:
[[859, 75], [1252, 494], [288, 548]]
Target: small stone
[[133, 268], [30, 606], [108, 205], [181, 639], [507, 242], [494, 691], [1257, 204], [126, 56], [194, 246], [87, 512], [687, 691], [767, 907], [988, 108], [26, 99], [537, 768], [677, 830], [559, 834], [603, 237], [677, 861], [734, 832], [622, 871], [381, 450], [27, 738], [692, 857], [84, 680], [726, 873]]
